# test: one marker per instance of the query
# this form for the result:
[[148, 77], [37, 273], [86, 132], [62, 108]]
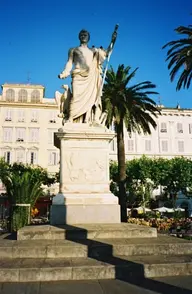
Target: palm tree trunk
[[121, 171]]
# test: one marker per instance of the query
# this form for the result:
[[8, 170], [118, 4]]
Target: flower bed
[[169, 225]]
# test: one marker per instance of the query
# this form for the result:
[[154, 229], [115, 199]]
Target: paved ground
[[175, 285]]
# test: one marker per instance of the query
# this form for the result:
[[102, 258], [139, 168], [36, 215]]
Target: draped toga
[[86, 80]]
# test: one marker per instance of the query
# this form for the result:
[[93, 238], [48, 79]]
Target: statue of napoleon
[[85, 66]]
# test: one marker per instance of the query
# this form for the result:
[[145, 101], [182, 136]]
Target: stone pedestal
[[84, 195]]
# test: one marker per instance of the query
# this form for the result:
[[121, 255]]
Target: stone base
[[87, 214], [84, 195], [85, 209], [84, 199], [115, 232]]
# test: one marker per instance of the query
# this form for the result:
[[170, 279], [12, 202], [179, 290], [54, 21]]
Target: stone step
[[85, 231], [34, 270], [162, 245]]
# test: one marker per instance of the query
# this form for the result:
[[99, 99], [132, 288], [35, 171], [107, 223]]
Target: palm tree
[[22, 195], [180, 57], [23, 186], [130, 107]]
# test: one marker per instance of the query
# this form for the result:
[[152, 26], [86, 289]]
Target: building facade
[[172, 137], [27, 123]]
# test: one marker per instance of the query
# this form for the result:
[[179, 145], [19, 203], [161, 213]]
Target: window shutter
[[130, 145], [32, 135], [181, 146], [20, 156], [35, 157], [147, 145], [50, 136], [8, 115], [50, 158], [164, 145], [36, 135], [190, 128], [34, 116], [5, 135], [54, 158], [163, 127], [179, 128], [22, 134], [112, 145]]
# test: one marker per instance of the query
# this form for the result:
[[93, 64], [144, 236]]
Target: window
[[20, 134], [7, 134], [164, 146], [7, 156], [147, 145], [181, 146], [10, 95], [34, 135], [52, 117], [112, 145], [21, 115], [33, 157], [34, 116], [8, 115], [190, 128], [53, 158], [20, 155], [130, 145], [163, 128], [179, 128], [112, 127], [22, 96], [35, 96], [51, 136]]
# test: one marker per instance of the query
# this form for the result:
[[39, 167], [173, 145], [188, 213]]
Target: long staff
[[110, 50]]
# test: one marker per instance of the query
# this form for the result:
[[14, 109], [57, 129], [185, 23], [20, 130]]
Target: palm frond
[[130, 104], [184, 30], [180, 55]]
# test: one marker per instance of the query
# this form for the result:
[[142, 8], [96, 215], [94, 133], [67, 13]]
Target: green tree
[[179, 57], [145, 174], [178, 177], [139, 183], [159, 171], [130, 107], [113, 168]]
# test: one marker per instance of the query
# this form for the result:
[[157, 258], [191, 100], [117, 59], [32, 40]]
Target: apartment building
[[27, 123], [172, 137]]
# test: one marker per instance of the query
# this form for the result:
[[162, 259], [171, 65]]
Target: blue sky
[[36, 36]]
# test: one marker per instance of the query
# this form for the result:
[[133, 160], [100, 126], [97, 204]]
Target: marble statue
[[84, 64]]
